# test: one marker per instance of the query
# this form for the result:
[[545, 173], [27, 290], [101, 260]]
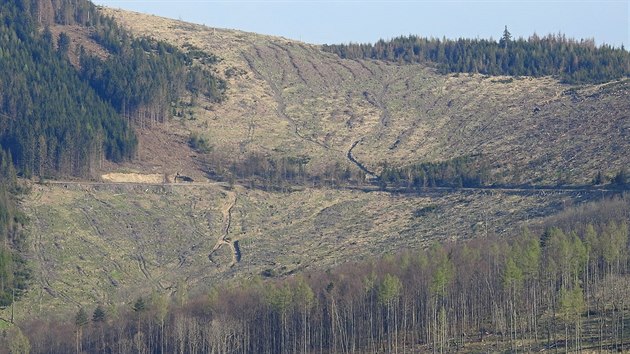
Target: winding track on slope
[[224, 239], [281, 104], [357, 163], [378, 102]]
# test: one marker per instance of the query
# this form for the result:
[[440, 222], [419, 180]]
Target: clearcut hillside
[[110, 243], [288, 98]]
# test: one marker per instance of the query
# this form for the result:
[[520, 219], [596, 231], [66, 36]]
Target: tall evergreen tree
[[505, 38]]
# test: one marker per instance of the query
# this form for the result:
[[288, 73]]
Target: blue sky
[[326, 21]]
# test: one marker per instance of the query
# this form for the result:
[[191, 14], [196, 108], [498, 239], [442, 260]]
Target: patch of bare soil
[[79, 37], [163, 150], [133, 178]]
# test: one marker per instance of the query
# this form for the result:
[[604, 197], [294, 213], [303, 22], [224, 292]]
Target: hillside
[[288, 99], [287, 167], [291, 99], [111, 243], [76, 85]]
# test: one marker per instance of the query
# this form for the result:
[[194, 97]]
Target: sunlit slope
[[288, 98], [112, 243]]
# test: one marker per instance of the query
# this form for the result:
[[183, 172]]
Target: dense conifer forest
[[570, 60], [52, 122], [57, 120], [562, 285], [14, 273]]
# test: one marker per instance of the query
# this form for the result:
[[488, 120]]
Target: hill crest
[[291, 99]]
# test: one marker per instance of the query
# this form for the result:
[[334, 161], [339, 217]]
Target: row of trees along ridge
[[570, 60]]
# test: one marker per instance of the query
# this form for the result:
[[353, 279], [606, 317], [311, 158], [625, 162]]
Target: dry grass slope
[[111, 243], [291, 99]]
